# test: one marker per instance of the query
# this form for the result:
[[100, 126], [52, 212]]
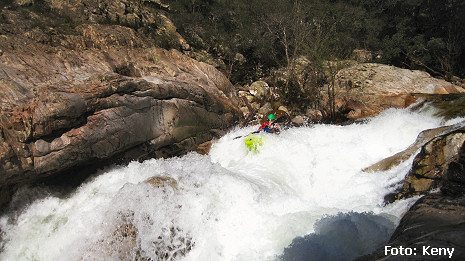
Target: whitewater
[[303, 196]]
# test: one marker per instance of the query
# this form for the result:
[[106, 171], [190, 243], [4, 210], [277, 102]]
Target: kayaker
[[270, 126]]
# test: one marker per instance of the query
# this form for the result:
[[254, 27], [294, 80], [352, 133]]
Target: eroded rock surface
[[83, 93], [431, 164], [437, 220], [364, 90]]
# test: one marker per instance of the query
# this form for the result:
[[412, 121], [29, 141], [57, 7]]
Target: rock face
[[366, 89], [99, 93], [430, 165], [423, 138], [361, 90], [437, 219]]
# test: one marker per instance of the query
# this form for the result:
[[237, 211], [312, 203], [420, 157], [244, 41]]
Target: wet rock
[[124, 243], [314, 115], [423, 138], [448, 106], [436, 220], [163, 181], [204, 148], [299, 120], [430, 165]]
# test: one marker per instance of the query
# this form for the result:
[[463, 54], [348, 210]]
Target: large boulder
[[423, 138], [436, 221], [260, 90], [430, 165], [445, 106], [105, 97], [364, 90]]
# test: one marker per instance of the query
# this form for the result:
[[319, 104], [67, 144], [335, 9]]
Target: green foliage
[[417, 34], [427, 35], [5, 3], [290, 90]]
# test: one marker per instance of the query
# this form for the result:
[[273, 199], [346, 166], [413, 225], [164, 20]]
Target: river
[[303, 196]]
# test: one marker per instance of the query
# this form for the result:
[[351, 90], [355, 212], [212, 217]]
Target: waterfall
[[302, 195]]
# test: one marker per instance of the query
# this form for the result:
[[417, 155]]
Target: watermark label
[[424, 250]]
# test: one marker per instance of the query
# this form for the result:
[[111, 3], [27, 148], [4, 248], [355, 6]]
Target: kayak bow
[[253, 141]]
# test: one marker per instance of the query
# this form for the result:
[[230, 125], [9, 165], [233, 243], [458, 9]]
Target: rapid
[[303, 196]]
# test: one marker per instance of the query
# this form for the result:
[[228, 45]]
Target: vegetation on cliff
[[416, 34], [286, 43]]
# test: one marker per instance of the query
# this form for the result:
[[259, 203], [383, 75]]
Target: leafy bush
[[415, 34]]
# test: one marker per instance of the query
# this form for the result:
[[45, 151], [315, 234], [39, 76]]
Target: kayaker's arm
[[262, 126]]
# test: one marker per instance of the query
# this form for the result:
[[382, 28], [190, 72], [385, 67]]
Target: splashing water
[[305, 185]]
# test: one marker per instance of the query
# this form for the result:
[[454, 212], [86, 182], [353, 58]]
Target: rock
[[435, 220], [168, 34], [448, 106], [162, 181], [355, 114], [245, 111], [243, 93], [204, 148], [364, 90], [147, 17], [299, 120], [430, 165], [124, 240], [260, 90], [284, 109], [124, 236], [314, 115], [104, 36], [453, 182], [99, 97], [255, 106], [423, 138], [265, 108], [439, 148], [361, 56]]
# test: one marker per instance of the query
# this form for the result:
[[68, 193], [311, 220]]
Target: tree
[[416, 34]]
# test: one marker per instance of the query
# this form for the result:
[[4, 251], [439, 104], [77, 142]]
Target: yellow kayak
[[253, 141]]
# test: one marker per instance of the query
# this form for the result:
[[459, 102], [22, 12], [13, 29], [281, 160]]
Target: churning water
[[303, 196]]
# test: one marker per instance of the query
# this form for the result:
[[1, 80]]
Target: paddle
[[247, 134], [278, 120]]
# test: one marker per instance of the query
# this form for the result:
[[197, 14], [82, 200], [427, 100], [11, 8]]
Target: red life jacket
[[270, 129], [263, 125]]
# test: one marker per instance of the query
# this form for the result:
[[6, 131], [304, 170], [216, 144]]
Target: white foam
[[229, 205]]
